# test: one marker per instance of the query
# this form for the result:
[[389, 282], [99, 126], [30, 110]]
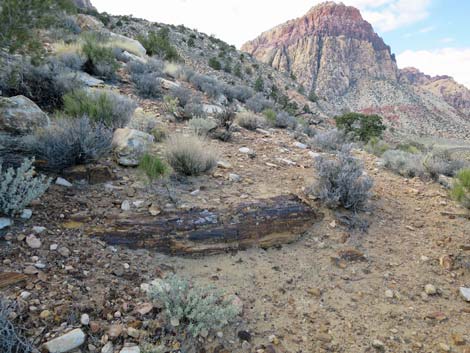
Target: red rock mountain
[[335, 52]]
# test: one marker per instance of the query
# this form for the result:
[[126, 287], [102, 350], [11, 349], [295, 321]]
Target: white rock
[[27, 213], [430, 289], [62, 182], [300, 145], [465, 292], [65, 343], [33, 242], [85, 319], [38, 229], [389, 293], [64, 251], [134, 349], [5, 222], [234, 177], [138, 203], [138, 48], [211, 109], [25, 295], [244, 150], [313, 154], [108, 348], [126, 205], [167, 84], [130, 145], [195, 192], [53, 247], [224, 165]]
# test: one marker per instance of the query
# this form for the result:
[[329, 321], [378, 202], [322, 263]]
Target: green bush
[[312, 96], [100, 59], [377, 147], [189, 155], [197, 310], [158, 43], [259, 84], [152, 166], [461, 189], [270, 116], [361, 126], [18, 187], [215, 64], [106, 107]]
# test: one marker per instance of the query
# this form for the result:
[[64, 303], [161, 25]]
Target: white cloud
[[237, 21], [448, 61], [447, 40], [427, 29]]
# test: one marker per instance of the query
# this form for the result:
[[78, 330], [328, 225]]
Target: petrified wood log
[[262, 223]]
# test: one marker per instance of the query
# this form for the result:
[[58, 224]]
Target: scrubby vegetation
[[362, 127], [158, 43], [341, 181], [189, 155], [152, 166], [197, 310], [331, 140], [100, 59], [69, 142], [249, 120], [202, 126], [106, 107], [18, 187], [461, 188]]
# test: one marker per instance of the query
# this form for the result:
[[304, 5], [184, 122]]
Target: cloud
[[447, 40], [427, 29], [446, 61]]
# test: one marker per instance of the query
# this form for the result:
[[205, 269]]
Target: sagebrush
[[331, 140], [20, 186], [461, 189], [202, 126]]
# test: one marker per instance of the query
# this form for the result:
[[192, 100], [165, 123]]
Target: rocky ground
[[393, 288]]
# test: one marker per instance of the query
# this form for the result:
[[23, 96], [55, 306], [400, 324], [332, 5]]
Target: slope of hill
[[335, 52]]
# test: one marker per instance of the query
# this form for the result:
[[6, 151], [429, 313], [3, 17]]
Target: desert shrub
[[404, 163], [45, 84], [362, 127], [152, 166], [331, 140], [158, 43], [69, 142], [440, 162], [170, 104], [148, 85], [461, 189], [341, 181], [284, 120], [215, 64], [238, 92], [208, 85], [183, 95], [187, 307], [201, 126], [270, 116], [259, 84], [106, 107], [194, 109], [153, 66], [312, 96], [225, 121], [412, 147], [18, 187], [11, 339], [73, 61], [377, 146], [159, 133], [248, 120], [189, 155], [100, 59], [258, 103]]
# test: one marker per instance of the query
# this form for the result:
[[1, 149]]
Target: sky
[[431, 35]]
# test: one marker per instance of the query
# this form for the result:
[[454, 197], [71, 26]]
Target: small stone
[[300, 145], [115, 331], [465, 293], [65, 252], [379, 345], [458, 339], [108, 348], [85, 319], [389, 293], [244, 336], [134, 349], [244, 150], [65, 343], [5, 222], [273, 339], [313, 154], [195, 192], [30, 270], [38, 230], [174, 322], [144, 309], [45, 314], [126, 205], [154, 210], [224, 165], [429, 289], [62, 182], [33, 242], [53, 247], [25, 295], [234, 177], [444, 347], [133, 332], [26, 214], [95, 327]]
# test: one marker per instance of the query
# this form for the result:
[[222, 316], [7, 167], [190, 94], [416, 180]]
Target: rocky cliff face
[[328, 49], [84, 4], [335, 52], [455, 94]]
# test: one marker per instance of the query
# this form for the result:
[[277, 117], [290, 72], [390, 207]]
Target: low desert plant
[[100, 59], [225, 120], [215, 64], [194, 109], [258, 103], [69, 142], [152, 65], [11, 339], [342, 181], [158, 43], [183, 95], [189, 155], [376, 146], [362, 127], [18, 187], [209, 85], [404, 163], [202, 126], [191, 308], [152, 166], [331, 140], [248, 120], [148, 85], [440, 162], [106, 107], [461, 189], [284, 120]]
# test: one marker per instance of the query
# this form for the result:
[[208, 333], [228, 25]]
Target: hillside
[[332, 50]]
